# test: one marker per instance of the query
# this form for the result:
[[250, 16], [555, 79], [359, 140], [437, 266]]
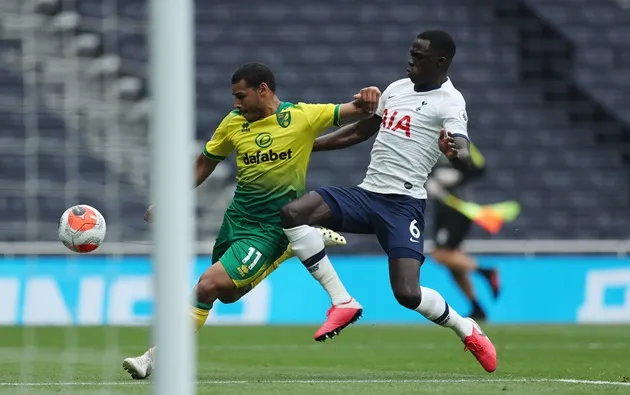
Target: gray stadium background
[[546, 84]]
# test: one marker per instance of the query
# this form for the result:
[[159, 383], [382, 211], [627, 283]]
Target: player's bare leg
[[142, 366], [460, 271], [461, 264], [404, 274], [213, 284], [298, 217], [463, 281]]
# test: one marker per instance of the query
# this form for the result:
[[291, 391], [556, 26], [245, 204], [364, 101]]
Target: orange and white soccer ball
[[82, 228]]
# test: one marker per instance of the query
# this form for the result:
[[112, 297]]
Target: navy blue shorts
[[396, 220]]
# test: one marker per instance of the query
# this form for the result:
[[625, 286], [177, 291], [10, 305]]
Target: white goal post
[[172, 76]]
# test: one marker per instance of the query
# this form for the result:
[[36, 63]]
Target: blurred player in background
[[452, 226], [273, 141], [411, 123]]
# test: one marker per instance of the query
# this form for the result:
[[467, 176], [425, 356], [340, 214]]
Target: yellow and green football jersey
[[272, 155]]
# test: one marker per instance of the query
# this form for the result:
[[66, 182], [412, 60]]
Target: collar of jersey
[[283, 106], [431, 87]]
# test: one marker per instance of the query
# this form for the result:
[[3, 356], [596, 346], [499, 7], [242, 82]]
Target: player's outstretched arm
[[457, 150], [364, 105], [348, 135]]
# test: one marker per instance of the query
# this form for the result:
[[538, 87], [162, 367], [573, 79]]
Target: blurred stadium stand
[[546, 84]]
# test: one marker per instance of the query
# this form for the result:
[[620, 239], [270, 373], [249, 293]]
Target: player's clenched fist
[[368, 98]]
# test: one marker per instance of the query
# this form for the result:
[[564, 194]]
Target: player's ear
[[442, 61], [263, 89]]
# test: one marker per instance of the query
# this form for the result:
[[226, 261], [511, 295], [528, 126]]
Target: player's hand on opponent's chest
[[447, 144], [367, 99]]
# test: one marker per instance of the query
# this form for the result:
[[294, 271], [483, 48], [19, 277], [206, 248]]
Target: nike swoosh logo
[[478, 328], [413, 240]]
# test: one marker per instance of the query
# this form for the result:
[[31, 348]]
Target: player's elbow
[[464, 157], [368, 127], [463, 161], [319, 145]]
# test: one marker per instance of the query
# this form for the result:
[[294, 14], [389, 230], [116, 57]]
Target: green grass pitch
[[364, 360]]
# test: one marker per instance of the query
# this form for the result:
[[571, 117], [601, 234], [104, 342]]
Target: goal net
[[75, 116]]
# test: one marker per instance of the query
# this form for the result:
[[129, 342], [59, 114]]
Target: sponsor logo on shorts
[[267, 156], [242, 270]]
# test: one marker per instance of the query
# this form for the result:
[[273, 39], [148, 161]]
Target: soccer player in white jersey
[[417, 117]]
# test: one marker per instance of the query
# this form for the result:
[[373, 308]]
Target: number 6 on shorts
[[415, 232], [413, 229]]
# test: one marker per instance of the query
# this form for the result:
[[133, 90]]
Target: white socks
[[308, 245], [434, 307]]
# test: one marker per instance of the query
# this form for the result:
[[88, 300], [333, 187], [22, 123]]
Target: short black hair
[[440, 41], [255, 74]]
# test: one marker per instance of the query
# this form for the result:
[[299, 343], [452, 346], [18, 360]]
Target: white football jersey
[[406, 147]]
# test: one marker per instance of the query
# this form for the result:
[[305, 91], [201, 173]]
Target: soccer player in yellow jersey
[[273, 141]]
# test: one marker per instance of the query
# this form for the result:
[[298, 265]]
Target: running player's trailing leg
[[398, 222], [463, 280], [239, 264], [451, 229], [141, 367], [308, 245], [492, 277], [211, 285], [404, 277], [461, 265]]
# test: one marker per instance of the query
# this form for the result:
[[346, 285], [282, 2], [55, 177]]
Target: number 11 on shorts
[[251, 252]]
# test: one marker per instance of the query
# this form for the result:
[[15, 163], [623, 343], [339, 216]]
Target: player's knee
[[206, 290], [441, 254], [228, 298], [408, 296], [291, 215], [232, 296]]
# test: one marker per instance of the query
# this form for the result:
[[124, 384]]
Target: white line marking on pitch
[[324, 381]]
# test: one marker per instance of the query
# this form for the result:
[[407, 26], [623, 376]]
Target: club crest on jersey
[[284, 119], [463, 116], [424, 103], [264, 140]]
